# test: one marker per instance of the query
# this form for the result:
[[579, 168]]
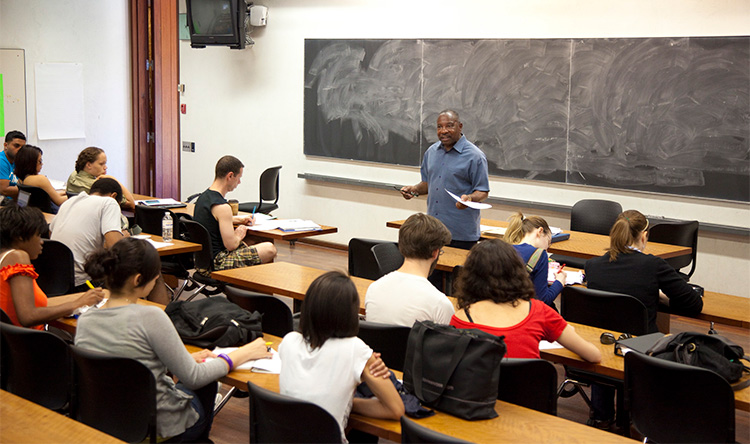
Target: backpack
[[214, 322], [712, 352]]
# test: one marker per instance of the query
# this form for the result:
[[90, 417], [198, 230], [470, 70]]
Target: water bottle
[[166, 227]]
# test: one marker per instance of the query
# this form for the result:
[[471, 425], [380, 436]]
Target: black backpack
[[214, 322], [712, 352]]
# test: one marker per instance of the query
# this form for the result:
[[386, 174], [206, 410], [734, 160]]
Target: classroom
[[250, 104]]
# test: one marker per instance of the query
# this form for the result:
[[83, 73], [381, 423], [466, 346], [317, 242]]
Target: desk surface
[[177, 247], [26, 422], [270, 234], [583, 245]]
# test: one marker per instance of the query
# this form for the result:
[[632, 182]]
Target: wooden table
[[178, 246], [282, 278], [270, 235], [22, 421], [580, 244]]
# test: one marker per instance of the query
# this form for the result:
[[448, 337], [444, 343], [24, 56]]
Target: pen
[[268, 346], [88, 282], [561, 268], [397, 188]]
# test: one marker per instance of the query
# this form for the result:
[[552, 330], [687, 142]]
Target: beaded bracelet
[[229, 360]]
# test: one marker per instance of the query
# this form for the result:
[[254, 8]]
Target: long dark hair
[[625, 231], [330, 309], [26, 161], [126, 258]]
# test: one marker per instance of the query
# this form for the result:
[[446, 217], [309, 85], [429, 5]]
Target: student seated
[[28, 165], [145, 333], [14, 140], [405, 295], [531, 237], [213, 212], [90, 166], [496, 295], [21, 298], [325, 362], [626, 269]]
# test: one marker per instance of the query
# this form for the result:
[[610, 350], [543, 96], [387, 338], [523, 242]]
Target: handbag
[[214, 322], [454, 370]]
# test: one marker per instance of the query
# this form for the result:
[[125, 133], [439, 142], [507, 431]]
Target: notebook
[[641, 344]]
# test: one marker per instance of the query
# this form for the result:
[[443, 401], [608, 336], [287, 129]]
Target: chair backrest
[[530, 383], [604, 309], [38, 366], [197, 233], [594, 216], [388, 257], [411, 432], [56, 268], [277, 317], [269, 184], [149, 219], [37, 198], [684, 233], [278, 418], [115, 395], [362, 261], [388, 340], [671, 402]]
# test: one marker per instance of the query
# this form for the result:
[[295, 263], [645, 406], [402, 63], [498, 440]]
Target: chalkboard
[[668, 115]]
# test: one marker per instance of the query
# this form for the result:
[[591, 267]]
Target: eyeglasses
[[441, 252], [608, 338]]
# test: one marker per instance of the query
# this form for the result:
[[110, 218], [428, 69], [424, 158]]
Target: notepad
[[297, 225], [161, 203]]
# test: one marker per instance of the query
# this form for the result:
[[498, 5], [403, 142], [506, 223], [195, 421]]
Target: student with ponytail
[[531, 237], [627, 269], [144, 332]]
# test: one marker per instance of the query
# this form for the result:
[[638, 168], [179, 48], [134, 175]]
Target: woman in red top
[[21, 298], [496, 295]]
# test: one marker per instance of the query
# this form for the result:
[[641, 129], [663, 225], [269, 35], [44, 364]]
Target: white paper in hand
[[475, 205]]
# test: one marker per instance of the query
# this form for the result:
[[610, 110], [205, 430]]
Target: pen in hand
[[90, 285], [268, 346]]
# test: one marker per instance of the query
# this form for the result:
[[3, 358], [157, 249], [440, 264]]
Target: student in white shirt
[[325, 362]]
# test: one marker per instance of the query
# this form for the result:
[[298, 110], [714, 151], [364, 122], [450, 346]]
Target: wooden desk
[[177, 247], [725, 309], [613, 365], [583, 245], [22, 421], [514, 424], [70, 324], [270, 235], [282, 278]]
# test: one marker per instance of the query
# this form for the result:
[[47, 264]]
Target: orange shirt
[[6, 300]]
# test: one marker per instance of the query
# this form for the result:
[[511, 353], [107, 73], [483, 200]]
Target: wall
[[250, 103], [93, 33]]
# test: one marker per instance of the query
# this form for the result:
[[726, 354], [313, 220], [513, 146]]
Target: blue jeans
[[203, 404]]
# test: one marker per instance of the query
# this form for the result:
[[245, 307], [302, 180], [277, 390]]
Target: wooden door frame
[[156, 156]]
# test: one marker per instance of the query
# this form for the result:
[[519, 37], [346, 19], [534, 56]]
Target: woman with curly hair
[[496, 295]]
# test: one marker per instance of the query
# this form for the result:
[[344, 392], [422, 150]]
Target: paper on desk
[[546, 345], [85, 308], [264, 226], [571, 277], [475, 205], [266, 365], [57, 184], [158, 202], [158, 245], [297, 225], [500, 231]]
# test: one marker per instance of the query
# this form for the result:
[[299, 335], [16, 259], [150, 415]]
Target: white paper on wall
[[59, 101]]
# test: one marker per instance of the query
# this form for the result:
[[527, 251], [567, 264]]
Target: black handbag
[[453, 370], [214, 322]]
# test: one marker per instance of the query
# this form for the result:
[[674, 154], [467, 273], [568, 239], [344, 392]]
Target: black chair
[[149, 219], [277, 317], [192, 196], [203, 259], [362, 262], [278, 418], [56, 268], [388, 257], [677, 403], [590, 216], [530, 383], [269, 193], [388, 340], [411, 432], [683, 233], [38, 366], [114, 395], [37, 197]]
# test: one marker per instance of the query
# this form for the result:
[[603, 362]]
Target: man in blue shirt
[[14, 140], [453, 164]]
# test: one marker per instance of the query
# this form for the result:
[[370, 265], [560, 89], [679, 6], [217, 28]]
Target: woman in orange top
[[20, 296]]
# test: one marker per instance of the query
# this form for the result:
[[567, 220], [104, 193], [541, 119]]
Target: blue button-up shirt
[[462, 170]]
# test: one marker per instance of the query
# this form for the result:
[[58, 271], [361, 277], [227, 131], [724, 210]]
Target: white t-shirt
[[81, 224], [326, 376], [402, 298]]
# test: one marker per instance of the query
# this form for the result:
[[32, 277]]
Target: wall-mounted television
[[217, 23]]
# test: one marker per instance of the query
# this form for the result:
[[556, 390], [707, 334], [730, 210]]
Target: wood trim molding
[[139, 54]]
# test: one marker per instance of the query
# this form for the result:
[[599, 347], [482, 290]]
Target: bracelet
[[229, 360]]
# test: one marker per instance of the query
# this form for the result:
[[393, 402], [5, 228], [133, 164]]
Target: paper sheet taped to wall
[[59, 101]]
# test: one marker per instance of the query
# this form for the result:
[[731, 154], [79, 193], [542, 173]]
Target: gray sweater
[[146, 334]]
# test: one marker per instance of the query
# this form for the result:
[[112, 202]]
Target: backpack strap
[[534, 259]]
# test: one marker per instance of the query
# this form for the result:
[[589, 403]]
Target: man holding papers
[[213, 212], [455, 165]]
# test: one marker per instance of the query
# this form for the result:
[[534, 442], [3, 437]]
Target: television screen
[[217, 22]]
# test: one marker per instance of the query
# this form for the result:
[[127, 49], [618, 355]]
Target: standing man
[[14, 140], [456, 165], [213, 212]]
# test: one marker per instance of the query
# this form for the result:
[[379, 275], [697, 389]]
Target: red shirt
[[522, 339], [6, 300]]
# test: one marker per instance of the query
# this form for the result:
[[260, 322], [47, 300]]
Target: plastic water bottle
[[166, 227]]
